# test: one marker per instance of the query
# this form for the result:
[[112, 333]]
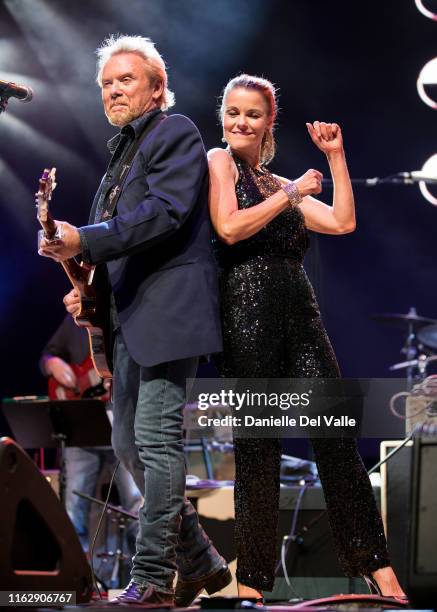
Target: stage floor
[[340, 603]]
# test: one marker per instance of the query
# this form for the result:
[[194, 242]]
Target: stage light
[[55, 153], [428, 78], [69, 72], [9, 53], [425, 11], [430, 169]]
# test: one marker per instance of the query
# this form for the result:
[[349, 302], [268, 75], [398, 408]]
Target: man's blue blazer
[[157, 249]]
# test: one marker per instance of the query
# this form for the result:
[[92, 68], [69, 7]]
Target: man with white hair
[[149, 234]]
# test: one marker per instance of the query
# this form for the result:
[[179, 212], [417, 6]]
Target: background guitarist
[[149, 230], [66, 358]]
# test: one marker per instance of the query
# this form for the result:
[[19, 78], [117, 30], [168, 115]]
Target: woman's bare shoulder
[[221, 161]]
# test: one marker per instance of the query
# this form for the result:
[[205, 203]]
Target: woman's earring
[[224, 139]]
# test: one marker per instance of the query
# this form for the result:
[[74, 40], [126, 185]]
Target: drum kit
[[420, 347]]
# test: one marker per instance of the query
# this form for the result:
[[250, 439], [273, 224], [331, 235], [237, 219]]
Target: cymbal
[[421, 362], [428, 336], [411, 318]]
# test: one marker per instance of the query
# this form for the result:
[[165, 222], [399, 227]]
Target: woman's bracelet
[[293, 193]]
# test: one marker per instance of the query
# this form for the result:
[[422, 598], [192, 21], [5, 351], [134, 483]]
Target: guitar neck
[[49, 227], [77, 274], [93, 313]]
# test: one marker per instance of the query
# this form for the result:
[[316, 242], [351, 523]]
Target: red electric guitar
[[88, 384], [94, 311]]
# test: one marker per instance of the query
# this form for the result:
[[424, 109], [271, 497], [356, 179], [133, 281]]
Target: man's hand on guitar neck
[[67, 246]]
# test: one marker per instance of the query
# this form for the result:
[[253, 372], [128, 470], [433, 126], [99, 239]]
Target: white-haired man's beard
[[123, 116]]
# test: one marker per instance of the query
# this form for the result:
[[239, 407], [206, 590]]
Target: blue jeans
[[147, 438], [83, 467]]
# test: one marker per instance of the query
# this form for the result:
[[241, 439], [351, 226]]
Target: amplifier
[[422, 541], [395, 503]]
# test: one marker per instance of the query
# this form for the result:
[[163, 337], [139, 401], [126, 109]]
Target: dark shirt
[[69, 342]]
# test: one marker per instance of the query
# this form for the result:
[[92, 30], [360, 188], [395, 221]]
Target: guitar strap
[[116, 190]]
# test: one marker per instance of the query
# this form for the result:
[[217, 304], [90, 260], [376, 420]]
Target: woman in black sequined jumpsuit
[[272, 328]]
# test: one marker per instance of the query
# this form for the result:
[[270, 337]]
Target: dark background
[[352, 63]]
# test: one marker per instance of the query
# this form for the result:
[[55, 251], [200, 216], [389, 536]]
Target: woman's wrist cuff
[[293, 194]]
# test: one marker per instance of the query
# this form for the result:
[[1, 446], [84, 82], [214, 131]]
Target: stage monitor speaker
[[395, 503], [422, 541], [39, 547]]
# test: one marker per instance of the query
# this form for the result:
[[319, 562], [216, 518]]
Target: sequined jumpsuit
[[272, 328]]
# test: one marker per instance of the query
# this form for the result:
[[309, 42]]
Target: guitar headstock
[[47, 183]]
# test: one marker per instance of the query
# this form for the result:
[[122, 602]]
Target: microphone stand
[[121, 516], [401, 178]]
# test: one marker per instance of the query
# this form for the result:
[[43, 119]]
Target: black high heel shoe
[[374, 589], [372, 585]]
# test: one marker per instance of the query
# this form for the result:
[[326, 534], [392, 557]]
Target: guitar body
[[94, 312], [89, 384]]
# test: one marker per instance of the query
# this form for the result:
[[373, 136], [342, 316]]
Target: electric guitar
[[94, 304], [88, 384]]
